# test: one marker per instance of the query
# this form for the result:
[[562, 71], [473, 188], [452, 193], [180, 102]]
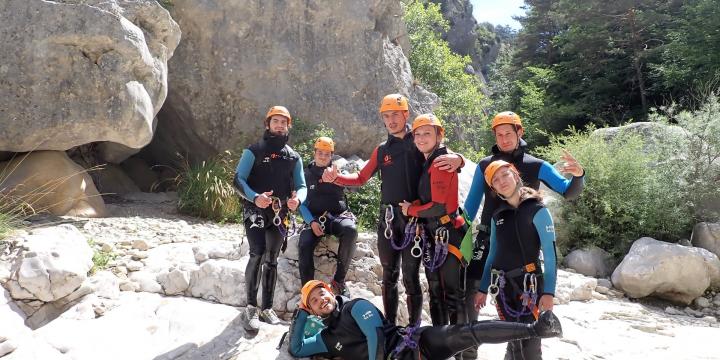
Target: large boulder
[[54, 264], [82, 72], [707, 236], [50, 181], [669, 271], [652, 133], [327, 62]]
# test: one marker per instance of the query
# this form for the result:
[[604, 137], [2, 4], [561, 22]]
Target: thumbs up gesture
[[263, 200], [330, 174], [293, 201]]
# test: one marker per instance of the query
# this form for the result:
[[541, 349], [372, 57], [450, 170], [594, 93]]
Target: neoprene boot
[[252, 279]]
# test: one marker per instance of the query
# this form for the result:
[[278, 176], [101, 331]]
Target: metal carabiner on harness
[[276, 208], [442, 236], [416, 250], [494, 288], [389, 217], [322, 219]]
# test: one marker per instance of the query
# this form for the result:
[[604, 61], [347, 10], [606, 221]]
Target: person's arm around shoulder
[[546, 232], [368, 318], [450, 162]]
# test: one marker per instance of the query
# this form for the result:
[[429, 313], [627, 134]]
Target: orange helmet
[[279, 110], [506, 117], [325, 143], [394, 102], [309, 287], [494, 167], [428, 119]]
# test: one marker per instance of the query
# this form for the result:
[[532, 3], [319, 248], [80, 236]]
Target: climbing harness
[[409, 234], [434, 261], [276, 208], [408, 341], [389, 217], [327, 216], [498, 280], [322, 219]]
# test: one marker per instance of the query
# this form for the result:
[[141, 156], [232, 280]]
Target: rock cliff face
[[327, 62], [463, 36], [76, 72]]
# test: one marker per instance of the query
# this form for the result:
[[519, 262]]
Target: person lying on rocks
[[357, 330], [325, 211]]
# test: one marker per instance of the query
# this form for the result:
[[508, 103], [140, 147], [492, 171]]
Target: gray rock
[[707, 236], [226, 74], [665, 270], [591, 261], [54, 264], [174, 282], [7, 347], [651, 132], [605, 283], [85, 72], [701, 302], [673, 311]]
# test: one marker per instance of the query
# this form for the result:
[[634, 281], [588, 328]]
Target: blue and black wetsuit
[[357, 330], [267, 165], [533, 171], [517, 236], [328, 201]]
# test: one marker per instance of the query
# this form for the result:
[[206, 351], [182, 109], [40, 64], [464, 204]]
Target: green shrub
[[692, 157], [365, 204], [627, 194], [206, 190]]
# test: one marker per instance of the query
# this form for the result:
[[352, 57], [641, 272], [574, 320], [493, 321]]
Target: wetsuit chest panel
[[343, 337], [322, 196], [272, 170], [527, 165], [400, 164], [517, 240]]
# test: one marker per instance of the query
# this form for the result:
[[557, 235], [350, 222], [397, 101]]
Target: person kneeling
[[356, 329]]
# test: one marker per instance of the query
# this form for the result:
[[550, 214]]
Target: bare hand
[[546, 302], [448, 162], [263, 200], [571, 166], [293, 202], [316, 229], [480, 299], [330, 174], [405, 206]]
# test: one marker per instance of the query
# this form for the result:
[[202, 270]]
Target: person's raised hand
[[293, 202], [571, 165], [264, 200], [330, 174]]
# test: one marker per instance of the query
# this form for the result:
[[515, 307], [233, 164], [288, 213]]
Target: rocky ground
[[172, 289]]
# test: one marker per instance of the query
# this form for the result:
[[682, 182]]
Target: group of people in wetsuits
[[420, 222]]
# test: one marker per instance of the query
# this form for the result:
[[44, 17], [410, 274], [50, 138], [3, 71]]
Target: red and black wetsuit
[[399, 163], [437, 207]]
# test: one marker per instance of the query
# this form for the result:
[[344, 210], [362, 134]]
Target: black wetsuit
[[357, 330], [325, 204], [267, 165]]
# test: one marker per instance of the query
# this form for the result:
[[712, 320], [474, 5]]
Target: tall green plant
[[442, 71], [205, 190]]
